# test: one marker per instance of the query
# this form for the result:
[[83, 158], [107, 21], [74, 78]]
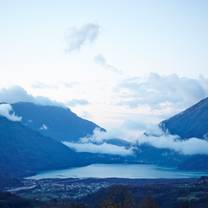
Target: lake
[[118, 171]]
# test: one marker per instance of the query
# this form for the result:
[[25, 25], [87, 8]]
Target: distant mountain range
[[192, 122], [57, 122], [34, 143]]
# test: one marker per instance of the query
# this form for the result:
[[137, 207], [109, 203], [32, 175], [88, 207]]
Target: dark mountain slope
[[24, 151], [192, 122], [56, 122], [195, 162]]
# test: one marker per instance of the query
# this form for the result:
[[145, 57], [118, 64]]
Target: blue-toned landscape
[[103, 104]]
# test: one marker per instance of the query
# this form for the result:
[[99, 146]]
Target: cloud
[[86, 115], [103, 148], [14, 94], [98, 143], [146, 134], [58, 85], [161, 92], [100, 60], [155, 137], [75, 102], [18, 94], [41, 85], [99, 137], [7, 111], [77, 37], [192, 146], [70, 84]]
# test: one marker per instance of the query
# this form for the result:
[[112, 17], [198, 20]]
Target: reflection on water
[[118, 171]]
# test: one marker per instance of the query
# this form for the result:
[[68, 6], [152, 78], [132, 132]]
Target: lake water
[[119, 171]]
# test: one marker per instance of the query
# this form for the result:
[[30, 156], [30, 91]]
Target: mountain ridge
[[24, 151], [191, 122], [57, 122]]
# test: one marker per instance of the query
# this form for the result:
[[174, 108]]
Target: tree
[[184, 204], [118, 197], [148, 202]]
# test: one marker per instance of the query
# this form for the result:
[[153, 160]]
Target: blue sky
[[145, 41]]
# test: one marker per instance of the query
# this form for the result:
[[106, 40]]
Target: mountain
[[148, 154], [57, 122], [195, 162], [192, 122], [25, 152], [166, 157]]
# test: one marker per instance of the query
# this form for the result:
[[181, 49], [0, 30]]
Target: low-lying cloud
[[191, 146], [98, 143], [7, 112], [99, 137], [157, 138], [77, 37], [103, 148], [153, 136]]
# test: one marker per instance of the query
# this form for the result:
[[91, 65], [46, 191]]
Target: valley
[[42, 167], [104, 104]]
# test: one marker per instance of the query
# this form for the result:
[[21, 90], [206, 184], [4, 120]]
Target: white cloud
[[46, 86], [144, 134], [166, 93], [77, 37], [14, 94], [18, 94], [7, 112], [75, 102], [190, 146], [41, 85], [154, 136], [103, 148], [99, 137], [101, 60]]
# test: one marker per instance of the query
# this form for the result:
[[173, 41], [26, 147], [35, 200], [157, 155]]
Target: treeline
[[115, 197], [120, 200]]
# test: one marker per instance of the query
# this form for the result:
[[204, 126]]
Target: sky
[[118, 63]]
